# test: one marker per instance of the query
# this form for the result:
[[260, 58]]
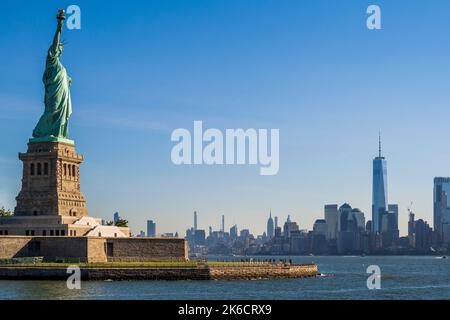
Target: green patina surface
[[51, 139], [54, 122]]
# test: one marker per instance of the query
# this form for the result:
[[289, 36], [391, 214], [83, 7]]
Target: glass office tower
[[379, 190], [441, 209]]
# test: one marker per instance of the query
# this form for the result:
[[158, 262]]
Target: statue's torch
[[61, 15]]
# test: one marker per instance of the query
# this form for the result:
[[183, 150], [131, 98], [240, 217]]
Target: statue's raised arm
[[56, 47], [57, 37], [53, 124]]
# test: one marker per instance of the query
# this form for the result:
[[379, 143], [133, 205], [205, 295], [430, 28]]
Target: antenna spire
[[379, 144]]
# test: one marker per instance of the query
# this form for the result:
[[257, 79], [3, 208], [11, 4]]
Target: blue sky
[[141, 69]]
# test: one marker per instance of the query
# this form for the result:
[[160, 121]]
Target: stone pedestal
[[50, 202], [50, 181]]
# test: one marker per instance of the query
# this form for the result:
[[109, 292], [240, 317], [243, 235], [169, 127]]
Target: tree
[[121, 223], [109, 223], [5, 212]]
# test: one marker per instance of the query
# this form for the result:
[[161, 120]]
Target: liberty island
[[51, 230], [50, 221]]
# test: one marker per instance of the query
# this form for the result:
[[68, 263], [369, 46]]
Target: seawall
[[263, 271], [201, 272]]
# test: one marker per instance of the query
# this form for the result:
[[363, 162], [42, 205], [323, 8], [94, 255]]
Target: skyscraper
[[223, 224], [234, 232], [393, 218], [389, 226], [345, 214], [151, 228], [441, 209], [116, 217], [276, 222], [288, 218], [379, 189], [360, 219], [319, 243], [411, 229], [270, 227], [195, 220], [331, 217], [423, 236], [320, 227], [289, 226]]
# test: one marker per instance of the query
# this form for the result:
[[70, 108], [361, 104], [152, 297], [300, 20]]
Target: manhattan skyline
[[312, 70]]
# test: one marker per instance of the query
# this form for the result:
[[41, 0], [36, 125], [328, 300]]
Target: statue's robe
[[58, 105]]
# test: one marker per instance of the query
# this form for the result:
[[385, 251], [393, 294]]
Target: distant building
[[446, 234], [195, 220], [320, 227], [379, 190], [245, 233], [200, 237], [278, 232], [441, 207], [351, 230], [169, 235], [423, 236], [116, 217], [270, 227], [289, 227], [195, 238], [331, 218], [360, 219], [345, 214], [369, 226], [411, 230], [151, 228], [234, 232], [392, 224], [319, 243], [190, 237], [299, 243]]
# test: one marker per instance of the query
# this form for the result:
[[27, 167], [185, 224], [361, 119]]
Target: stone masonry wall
[[93, 249], [147, 249], [63, 247], [13, 247], [96, 250], [255, 271]]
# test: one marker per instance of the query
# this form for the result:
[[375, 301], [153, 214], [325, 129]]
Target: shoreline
[[214, 271]]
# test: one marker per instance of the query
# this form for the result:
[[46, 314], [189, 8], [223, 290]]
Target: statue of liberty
[[53, 124]]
